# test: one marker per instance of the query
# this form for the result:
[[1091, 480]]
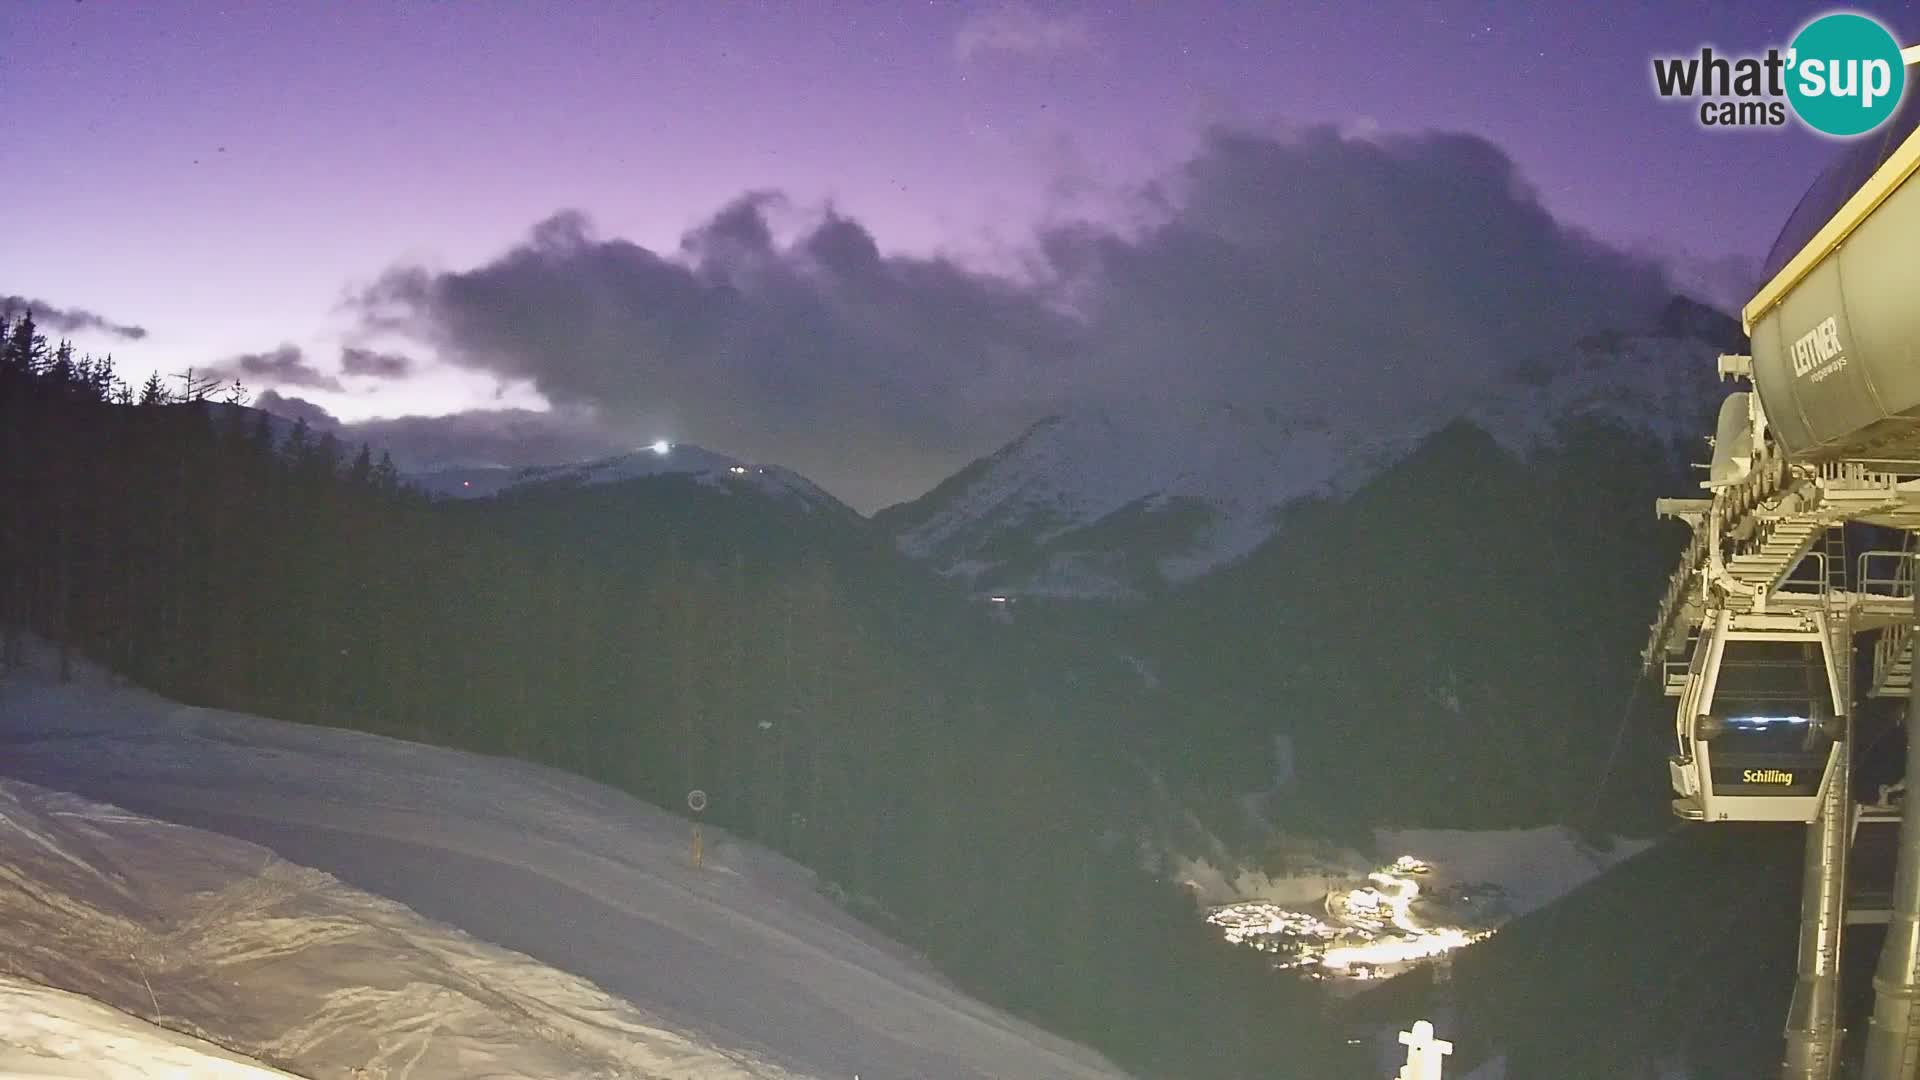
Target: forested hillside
[[1456, 643]]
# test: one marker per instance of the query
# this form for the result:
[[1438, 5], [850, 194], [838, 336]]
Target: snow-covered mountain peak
[[1109, 502], [708, 467]]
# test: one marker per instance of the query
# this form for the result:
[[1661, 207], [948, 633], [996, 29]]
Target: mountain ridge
[[1092, 503]]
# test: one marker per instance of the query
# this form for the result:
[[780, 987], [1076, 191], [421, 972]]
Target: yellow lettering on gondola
[[1766, 776]]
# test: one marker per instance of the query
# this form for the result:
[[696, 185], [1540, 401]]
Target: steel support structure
[[1893, 1035], [1813, 1019]]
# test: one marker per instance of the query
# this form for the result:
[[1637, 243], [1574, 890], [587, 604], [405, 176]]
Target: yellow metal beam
[[1884, 182], [1904, 162]]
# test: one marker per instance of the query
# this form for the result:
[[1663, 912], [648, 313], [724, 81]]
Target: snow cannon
[[1836, 326], [1760, 719], [1732, 442]]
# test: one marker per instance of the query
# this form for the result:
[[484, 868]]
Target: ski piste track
[[1802, 552], [332, 900]]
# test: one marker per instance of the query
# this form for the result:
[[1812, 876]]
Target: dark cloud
[[71, 320], [477, 437], [1340, 276], [379, 365], [1316, 273], [739, 233], [492, 437], [284, 366], [844, 247], [824, 355], [293, 408]]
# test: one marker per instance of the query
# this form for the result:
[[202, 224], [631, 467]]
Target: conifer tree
[[154, 392], [386, 478], [26, 348], [101, 381], [61, 370], [299, 444], [263, 435], [360, 474], [324, 462]]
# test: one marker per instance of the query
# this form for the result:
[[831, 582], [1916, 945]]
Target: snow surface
[[624, 956], [207, 934], [1430, 892], [1531, 867], [1235, 465], [723, 473], [47, 1034]]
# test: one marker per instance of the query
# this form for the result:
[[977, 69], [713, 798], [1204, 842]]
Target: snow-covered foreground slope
[[738, 969], [203, 933], [48, 1033]]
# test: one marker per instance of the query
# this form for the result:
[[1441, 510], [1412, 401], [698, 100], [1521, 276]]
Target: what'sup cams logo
[[1842, 76]]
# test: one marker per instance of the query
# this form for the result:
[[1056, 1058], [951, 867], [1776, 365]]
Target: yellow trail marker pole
[[696, 802]]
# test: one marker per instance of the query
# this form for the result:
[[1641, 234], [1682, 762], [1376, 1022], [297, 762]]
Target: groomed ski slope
[[738, 969], [47, 1034], [216, 937]]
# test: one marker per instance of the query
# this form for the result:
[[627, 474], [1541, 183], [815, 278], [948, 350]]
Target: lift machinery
[[1756, 633]]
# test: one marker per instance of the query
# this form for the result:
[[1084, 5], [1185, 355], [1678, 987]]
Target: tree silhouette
[[154, 392]]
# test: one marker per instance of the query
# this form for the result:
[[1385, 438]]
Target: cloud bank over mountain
[[1313, 273]]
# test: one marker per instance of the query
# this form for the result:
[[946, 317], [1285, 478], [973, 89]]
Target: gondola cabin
[[1759, 719]]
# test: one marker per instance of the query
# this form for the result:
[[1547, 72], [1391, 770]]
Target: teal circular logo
[[1844, 74]]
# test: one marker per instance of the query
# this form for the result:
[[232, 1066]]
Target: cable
[[1613, 755], [1551, 919]]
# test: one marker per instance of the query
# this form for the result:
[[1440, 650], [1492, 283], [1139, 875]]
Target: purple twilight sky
[[339, 201]]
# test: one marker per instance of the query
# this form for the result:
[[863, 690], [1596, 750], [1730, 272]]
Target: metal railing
[[1798, 583], [1884, 572], [1889, 573], [1673, 673]]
